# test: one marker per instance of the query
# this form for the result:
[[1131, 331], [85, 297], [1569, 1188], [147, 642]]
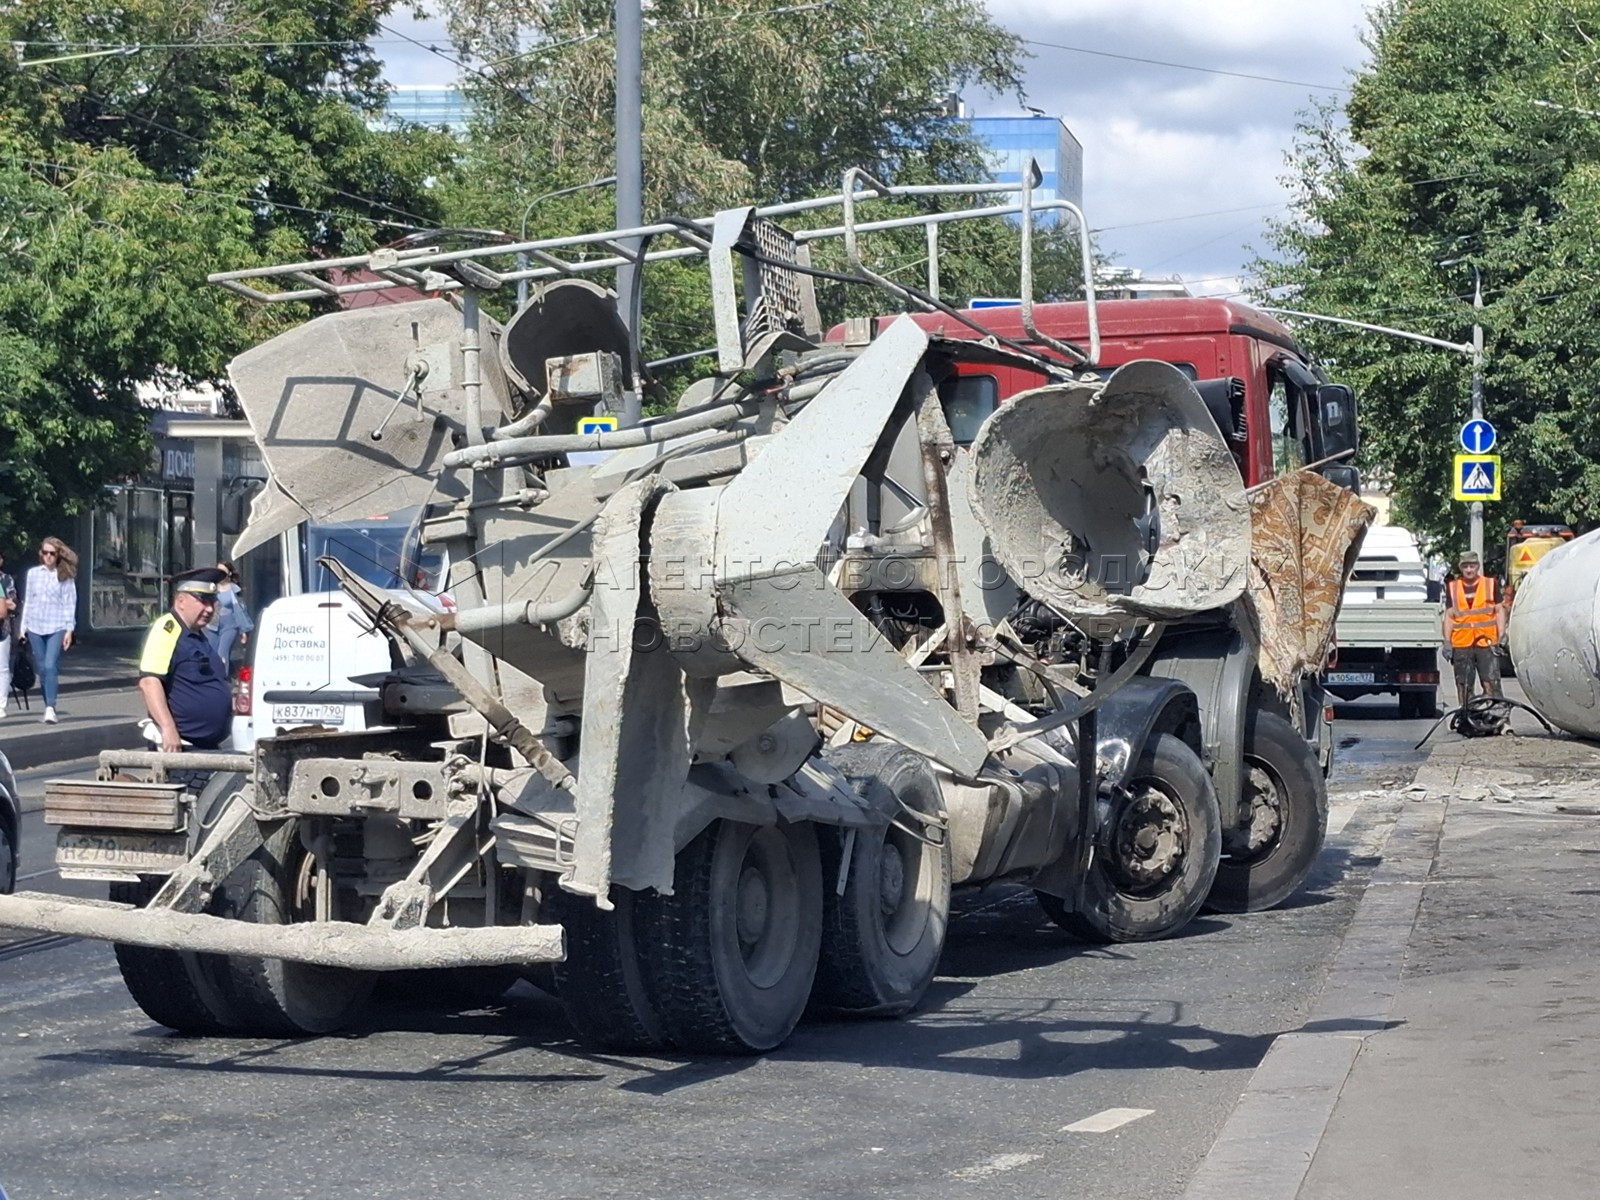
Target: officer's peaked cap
[[202, 581]]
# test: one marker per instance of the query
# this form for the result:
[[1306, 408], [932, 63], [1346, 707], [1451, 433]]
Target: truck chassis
[[718, 722]]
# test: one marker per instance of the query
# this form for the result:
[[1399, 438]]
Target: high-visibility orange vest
[[1474, 613]]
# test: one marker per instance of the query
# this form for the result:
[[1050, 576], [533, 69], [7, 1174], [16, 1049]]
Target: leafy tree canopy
[[236, 133], [1472, 143], [744, 102]]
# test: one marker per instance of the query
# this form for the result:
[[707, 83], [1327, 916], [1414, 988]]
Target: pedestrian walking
[[182, 681], [8, 608], [1474, 624], [232, 622], [50, 615]]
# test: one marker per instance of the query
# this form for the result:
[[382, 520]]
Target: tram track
[[33, 945]]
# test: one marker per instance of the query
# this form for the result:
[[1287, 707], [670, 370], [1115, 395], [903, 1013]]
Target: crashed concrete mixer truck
[[728, 700], [1554, 635]]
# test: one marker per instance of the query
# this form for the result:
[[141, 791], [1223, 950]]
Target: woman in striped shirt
[[50, 614]]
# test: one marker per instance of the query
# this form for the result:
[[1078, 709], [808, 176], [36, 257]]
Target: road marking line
[[1105, 1122], [997, 1164]]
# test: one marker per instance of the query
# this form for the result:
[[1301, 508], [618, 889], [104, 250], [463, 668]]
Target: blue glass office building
[[440, 104], [1013, 140]]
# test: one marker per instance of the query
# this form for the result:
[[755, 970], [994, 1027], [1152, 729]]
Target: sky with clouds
[[1181, 167]]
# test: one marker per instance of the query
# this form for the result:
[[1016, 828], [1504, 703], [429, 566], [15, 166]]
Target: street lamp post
[[1475, 509], [1475, 349], [522, 230]]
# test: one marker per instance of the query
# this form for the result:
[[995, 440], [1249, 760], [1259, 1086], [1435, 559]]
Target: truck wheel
[[881, 939], [602, 983], [8, 863], [735, 952], [271, 997], [175, 988], [1156, 854], [1284, 819]]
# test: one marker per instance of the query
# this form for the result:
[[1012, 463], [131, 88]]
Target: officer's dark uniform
[[191, 674]]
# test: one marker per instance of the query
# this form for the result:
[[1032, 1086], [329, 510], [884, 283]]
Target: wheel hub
[[891, 879], [1262, 822], [1148, 838], [754, 904]]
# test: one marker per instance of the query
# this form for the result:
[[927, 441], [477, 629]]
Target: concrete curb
[[98, 683], [32, 750], [1266, 1146]]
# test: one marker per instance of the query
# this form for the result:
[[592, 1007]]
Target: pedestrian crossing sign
[[604, 425], [1477, 477]]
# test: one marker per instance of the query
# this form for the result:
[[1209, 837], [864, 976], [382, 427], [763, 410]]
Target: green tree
[[743, 103], [236, 134], [1454, 154]]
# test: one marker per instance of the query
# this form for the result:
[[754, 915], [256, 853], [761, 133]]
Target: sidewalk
[[1455, 1051], [99, 707], [90, 721]]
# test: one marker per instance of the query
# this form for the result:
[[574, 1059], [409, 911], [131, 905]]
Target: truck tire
[[8, 862], [603, 984], [271, 997], [882, 939], [175, 988], [1285, 819], [734, 953], [1155, 857]]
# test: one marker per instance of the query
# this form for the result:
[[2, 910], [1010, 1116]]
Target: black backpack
[[23, 676]]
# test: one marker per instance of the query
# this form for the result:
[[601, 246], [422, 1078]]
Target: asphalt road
[[1025, 1034]]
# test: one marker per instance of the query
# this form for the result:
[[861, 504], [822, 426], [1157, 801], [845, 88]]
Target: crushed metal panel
[[777, 512], [809, 635], [315, 395], [635, 751], [987, 592], [1305, 538], [272, 512]]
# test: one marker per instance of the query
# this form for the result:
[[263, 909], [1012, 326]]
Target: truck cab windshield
[[381, 550]]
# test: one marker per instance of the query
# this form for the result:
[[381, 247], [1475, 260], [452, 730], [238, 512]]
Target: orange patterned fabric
[[1305, 535]]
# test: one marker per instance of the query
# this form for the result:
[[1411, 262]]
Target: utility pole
[[1475, 525], [1475, 509], [630, 165]]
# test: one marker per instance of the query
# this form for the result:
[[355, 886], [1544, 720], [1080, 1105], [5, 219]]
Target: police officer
[[1474, 624], [182, 681]]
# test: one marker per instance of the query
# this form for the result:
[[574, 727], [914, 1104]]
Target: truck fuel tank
[[1555, 635]]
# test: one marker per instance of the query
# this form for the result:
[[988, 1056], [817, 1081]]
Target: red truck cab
[[1280, 415]]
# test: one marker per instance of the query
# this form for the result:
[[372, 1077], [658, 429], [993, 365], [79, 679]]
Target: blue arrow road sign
[[1477, 436]]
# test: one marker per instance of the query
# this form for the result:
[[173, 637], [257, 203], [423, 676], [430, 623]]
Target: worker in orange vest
[[1474, 624]]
